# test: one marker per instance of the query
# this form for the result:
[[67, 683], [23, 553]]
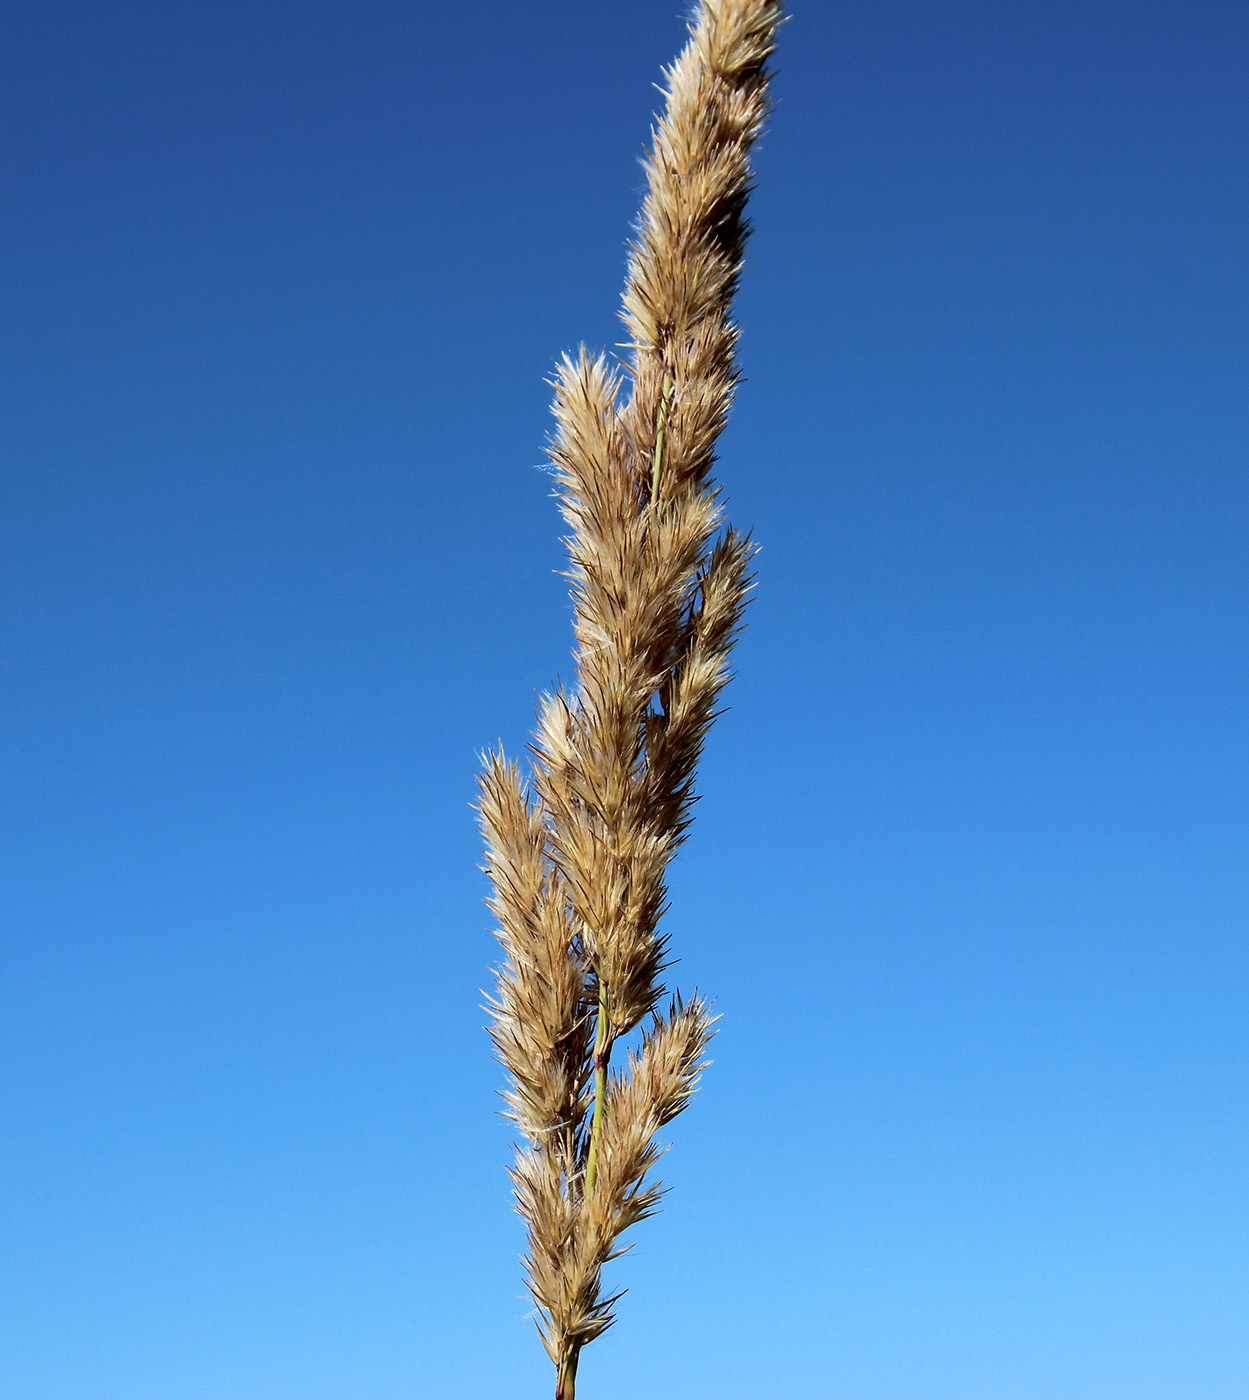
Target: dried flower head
[[577, 855]]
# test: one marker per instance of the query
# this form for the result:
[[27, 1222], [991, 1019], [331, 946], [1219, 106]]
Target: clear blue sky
[[281, 283]]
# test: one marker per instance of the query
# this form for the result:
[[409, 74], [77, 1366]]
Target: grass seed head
[[577, 859]]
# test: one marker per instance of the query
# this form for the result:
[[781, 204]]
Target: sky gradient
[[280, 285]]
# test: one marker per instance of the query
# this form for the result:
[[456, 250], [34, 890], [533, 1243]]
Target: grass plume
[[577, 851]]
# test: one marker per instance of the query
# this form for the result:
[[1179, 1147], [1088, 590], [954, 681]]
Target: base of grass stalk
[[566, 1376]]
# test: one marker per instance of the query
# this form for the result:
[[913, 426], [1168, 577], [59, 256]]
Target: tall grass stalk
[[577, 850]]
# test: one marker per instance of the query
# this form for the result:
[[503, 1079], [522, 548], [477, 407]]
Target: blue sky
[[280, 286]]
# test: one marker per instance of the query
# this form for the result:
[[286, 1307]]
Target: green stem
[[602, 1054], [661, 427]]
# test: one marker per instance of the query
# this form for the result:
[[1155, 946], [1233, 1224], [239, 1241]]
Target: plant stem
[[665, 407], [566, 1378], [602, 1054]]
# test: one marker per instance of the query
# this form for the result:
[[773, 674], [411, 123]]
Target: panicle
[[661, 1078], [577, 859], [539, 1022], [686, 258]]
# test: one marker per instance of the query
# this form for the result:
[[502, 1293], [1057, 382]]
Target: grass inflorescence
[[577, 850]]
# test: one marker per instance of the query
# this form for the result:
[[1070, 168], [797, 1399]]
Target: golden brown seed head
[[577, 862]]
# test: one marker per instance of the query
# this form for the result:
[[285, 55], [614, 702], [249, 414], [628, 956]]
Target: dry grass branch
[[577, 860]]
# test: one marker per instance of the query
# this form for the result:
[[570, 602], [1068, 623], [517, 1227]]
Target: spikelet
[[540, 1028], [577, 859]]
